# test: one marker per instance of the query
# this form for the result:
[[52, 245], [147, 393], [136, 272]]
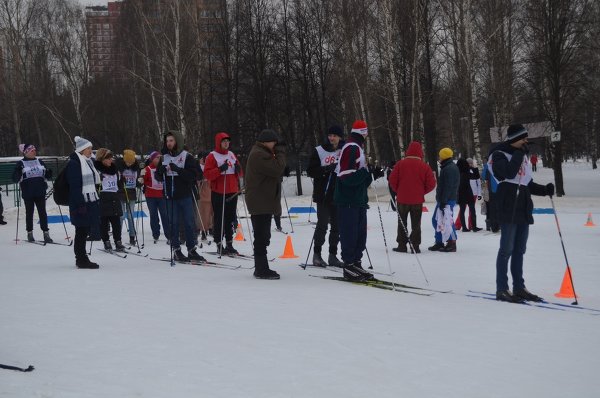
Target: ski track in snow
[[140, 328]]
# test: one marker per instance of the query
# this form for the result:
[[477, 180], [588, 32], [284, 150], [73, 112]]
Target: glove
[[479, 197], [223, 167], [329, 168], [525, 148], [238, 168], [442, 206], [174, 167], [550, 189], [377, 172], [140, 180]]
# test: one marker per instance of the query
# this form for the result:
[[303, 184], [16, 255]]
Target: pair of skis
[[207, 263], [550, 305], [386, 285]]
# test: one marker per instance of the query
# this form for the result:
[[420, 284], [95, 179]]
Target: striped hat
[[359, 127]]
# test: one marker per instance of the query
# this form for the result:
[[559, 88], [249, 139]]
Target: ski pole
[[17, 233], [412, 248], [323, 203], [564, 251], [130, 213], [67, 237], [387, 253], [287, 208], [172, 218], [141, 218], [198, 212], [223, 216], [369, 257], [247, 219]]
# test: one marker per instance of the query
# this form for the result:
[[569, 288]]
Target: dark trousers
[[177, 208], [472, 215], [533, 166], [158, 206], [277, 219], [261, 224], [80, 240], [1, 207], [353, 232], [415, 212], [115, 222], [40, 203], [491, 216], [225, 219], [513, 244], [326, 215]]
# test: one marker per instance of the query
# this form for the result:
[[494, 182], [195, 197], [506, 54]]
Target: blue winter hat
[[515, 133]]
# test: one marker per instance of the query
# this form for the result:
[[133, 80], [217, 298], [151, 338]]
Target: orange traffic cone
[[239, 234], [566, 289], [288, 251], [589, 222]]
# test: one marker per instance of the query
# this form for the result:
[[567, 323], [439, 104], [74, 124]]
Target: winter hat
[[268, 135], [153, 155], [25, 148], [515, 133], [446, 153], [336, 130], [81, 144], [359, 127], [103, 153], [128, 156]]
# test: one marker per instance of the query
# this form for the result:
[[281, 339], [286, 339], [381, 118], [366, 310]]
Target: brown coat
[[263, 179]]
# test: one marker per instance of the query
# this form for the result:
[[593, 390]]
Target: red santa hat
[[359, 127]]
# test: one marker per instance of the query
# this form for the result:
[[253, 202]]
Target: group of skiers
[[200, 195]]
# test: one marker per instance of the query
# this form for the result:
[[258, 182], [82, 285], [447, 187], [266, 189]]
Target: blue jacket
[[31, 188], [82, 213]]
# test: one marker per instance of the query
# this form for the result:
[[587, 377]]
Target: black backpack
[[61, 188]]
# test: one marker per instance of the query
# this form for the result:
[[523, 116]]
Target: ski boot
[[178, 255], [107, 246], [193, 255], [47, 238], [318, 260], [333, 261], [436, 247], [527, 295], [30, 237], [506, 295], [119, 246]]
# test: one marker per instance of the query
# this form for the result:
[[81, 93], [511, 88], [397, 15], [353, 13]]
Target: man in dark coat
[[177, 168], [511, 168], [445, 195], [84, 212], [321, 169], [264, 168]]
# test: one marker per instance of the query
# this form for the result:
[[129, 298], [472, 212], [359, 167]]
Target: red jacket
[[215, 176], [148, 190], [411, 177]]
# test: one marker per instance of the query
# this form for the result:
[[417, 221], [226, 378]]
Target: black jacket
[[181, 185], [323, 177], [511, 207], [448, 181], [131, 195], [31, 188], [465, 193], [110, 202]]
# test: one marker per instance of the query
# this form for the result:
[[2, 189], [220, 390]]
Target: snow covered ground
[[139, 328]]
